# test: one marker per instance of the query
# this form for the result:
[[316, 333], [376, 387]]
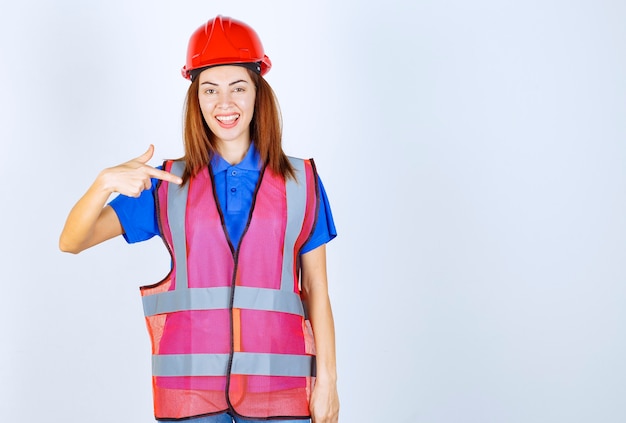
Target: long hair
[[265, 131]]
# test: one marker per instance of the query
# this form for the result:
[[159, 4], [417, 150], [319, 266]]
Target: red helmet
[[224, 41]]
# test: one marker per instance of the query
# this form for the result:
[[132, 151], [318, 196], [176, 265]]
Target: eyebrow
[[231, 84]]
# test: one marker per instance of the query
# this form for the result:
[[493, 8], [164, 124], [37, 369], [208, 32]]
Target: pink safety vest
[[227, 324]]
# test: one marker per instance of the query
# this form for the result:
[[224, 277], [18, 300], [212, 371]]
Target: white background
[[474, 156]]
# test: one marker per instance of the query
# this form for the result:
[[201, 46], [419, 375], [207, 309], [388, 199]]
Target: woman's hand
[[134, 176], [90, 222], [324, 403]]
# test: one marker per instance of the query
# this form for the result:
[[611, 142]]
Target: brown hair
[[265, 131]]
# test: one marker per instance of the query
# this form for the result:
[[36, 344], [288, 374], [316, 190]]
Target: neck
[[233, 152]]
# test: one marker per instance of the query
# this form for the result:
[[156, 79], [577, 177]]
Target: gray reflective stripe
[[272, 364], [190, 364], [219, 298], [296, 207], [176, 206], [243, 363], [268, 299], [186, 299]]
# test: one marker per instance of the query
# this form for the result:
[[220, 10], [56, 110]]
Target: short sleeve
[[324, 230], [137, 215]]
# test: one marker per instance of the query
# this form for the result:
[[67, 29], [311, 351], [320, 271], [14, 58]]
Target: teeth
[[227, 119]]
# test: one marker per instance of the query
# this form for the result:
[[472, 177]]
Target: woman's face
[[226, 95]]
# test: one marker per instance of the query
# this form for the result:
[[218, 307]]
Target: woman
[[242, 327]]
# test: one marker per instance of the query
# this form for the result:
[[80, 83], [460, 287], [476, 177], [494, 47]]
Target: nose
[[224, 100]]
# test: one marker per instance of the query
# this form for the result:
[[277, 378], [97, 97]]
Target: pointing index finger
[[165, 176]]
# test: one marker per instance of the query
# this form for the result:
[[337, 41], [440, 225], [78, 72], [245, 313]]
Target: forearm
[[324, 403], [315, 296], [81, 228], [322, 322]]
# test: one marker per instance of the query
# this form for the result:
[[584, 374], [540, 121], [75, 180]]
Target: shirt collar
[[251, 161]]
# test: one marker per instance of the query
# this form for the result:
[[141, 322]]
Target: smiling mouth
[[227, 119]]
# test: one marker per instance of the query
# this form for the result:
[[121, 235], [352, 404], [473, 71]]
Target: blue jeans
[[227, 418]]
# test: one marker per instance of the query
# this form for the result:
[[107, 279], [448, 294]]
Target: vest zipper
[[235, 252]]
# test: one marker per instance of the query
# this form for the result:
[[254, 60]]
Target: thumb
[[145, 157]]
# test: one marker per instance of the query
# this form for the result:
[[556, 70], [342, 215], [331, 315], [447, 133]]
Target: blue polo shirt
[[234, 186]]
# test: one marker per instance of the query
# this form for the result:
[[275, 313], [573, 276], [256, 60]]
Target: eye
[[239, 89], [210, 91]]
